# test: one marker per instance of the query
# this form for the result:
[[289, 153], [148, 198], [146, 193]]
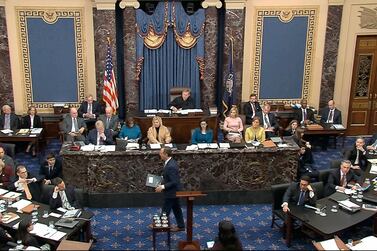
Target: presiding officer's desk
[[205, 170], [181, 125]]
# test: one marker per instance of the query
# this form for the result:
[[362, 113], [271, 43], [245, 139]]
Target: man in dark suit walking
[[299, 193], [339, 178], [8, 120], [251, 108], [331, 114], [63, 196], [99, 135], [51, 169], [171, 184]]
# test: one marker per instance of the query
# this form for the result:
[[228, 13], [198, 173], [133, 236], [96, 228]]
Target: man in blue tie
[[299, 193]]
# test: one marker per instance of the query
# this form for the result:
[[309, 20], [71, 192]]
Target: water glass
[[45, 214], [350, 242], [51, 224], [334, 209], [323, 212], [360, 196]]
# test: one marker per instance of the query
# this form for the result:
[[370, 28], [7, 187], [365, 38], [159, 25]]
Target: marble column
[[132, 85], [104, 26], [334, 19], [208, 91], [6, 88], [234, 28]]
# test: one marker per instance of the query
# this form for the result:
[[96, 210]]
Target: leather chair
[[319, 189], [10, 149], [46, 192], [335, 163], [324, 175], [176, 92], [277, 199]]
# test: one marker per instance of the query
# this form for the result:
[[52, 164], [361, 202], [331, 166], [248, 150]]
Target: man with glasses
[[26, 184], [340, 178]]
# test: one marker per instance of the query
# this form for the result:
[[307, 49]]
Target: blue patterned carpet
[[127, 228]]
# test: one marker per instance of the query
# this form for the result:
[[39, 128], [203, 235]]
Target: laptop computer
[[68, 223], [121, 144]]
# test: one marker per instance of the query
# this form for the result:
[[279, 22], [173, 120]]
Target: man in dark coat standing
[[170, 185]]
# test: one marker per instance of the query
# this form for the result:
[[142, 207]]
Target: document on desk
[[373, 169], [3, 191], [224, 145], [6, 131], [36, 130], [150, 111], [21, 204], [338, 127], [155, 146], [192, 148], [329, 245], [367, 243], [12, 195], [45, 231], [87, 148]]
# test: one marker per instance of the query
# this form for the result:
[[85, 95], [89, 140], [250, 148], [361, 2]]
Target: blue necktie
[[301, 199]]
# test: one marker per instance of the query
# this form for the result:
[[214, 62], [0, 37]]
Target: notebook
[[153, 180], [68, 223]]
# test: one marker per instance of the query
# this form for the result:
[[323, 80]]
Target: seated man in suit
[[63, 196], [339, 178], [26, 183], [8, 161], [182, 102], [110, 121], [99, 135], [358, 157], [304, 115], [251, 108], [51, 169], [269, 121], [299, 193], [73, 126], [331, 114], [8, 120], [89, 109]]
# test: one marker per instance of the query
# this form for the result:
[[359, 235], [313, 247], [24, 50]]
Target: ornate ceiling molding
[[104, 4], [235, 4], [129, 3], [212, 3]]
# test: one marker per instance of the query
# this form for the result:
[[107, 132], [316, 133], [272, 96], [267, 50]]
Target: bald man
[[331, 114], [110, 120], [8, 120], [73, 126]]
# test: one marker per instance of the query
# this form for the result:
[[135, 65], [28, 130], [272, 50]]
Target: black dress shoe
[[177, 229]]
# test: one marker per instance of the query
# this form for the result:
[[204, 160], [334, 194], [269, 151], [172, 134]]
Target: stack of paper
[[36, 130], [21, 204], [192, 148], [3, 191], [131, 146], [6, 131], [155, 146], [338, 127], [367, 243], [224, 145], [44, 231], [12, 195], [150, 111]]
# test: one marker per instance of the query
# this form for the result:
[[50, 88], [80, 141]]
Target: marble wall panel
[[330, 55], [104, 26], [131, 84], [203, 170], [234, 28], [208, 88], [6, 88]]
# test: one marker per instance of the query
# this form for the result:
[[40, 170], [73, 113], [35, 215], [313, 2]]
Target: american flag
[[110, 94]]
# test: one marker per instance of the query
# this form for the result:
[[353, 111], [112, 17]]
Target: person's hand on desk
[[356, 167], [81, 130], [286, 208], [47, 182], [174, 109], [159, 188]]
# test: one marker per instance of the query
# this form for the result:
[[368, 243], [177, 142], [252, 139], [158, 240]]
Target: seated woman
[[202, 134], [291, 129], [227, 238], [255, 132], [6, 174], [130, 130], [233, 126], [32, 120], [299, 140], [158, 133], [23, 233]]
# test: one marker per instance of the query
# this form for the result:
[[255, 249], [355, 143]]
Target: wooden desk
[[325, 132], [23, 138], [181, 125], [74, 245]]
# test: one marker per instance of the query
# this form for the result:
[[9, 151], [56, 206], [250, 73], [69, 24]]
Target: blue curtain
[[169, 64]]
